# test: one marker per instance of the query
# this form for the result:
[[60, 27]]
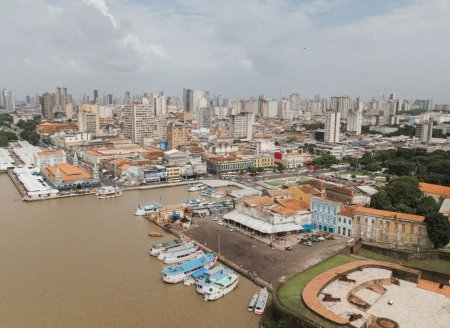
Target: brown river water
[[83, 262]]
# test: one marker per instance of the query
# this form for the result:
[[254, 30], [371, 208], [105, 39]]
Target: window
[[345, 220], [349, 232], [339, 230], [339, 219], [349, 221]]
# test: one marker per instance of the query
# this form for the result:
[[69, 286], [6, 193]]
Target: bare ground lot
[[256, 256]]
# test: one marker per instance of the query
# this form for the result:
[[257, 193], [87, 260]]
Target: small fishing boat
[[222, 287], [263, 295], [252, 304], [146, 209], [155, 234], [167, 252], [158, 248], [176, 273], [193, 203], [196, 187]]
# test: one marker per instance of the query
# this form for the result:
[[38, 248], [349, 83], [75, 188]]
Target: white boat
[[222, 287], [146, 209], [202, 275], [183, 256], [252, 304], [196, 187], [203, 285], [158, 248], [195, 202], [176, 273], [108, 192], [262, 301], [162, 255]]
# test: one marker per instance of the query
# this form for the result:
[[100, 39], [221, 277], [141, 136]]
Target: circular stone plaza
[[375, 294]]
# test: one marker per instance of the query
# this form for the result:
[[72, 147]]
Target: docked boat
[[183, 256], [263, 295], [203, 285], [176, 273], [108, 192], [196, 187], [222, 287], [158, 248], [146, 209], [212, 193], [193, 203], [201, 275], [252, 304], [167, 252]]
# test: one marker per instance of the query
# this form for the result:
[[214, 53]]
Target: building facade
[[48, 158], [241, 126], [332, 126], [139, 121], [324, 214], [178, 134]]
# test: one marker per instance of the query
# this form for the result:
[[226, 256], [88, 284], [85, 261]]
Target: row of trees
[[402, 194], [29, 130]]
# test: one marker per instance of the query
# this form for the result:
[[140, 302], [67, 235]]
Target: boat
[[263, 295], [158, 248], [252, 304], [182, 256], [202, 285], [193, 203], [155, 234], [176, 273], [196, 187], [202, 275], [108, 192], [145, 209], [162, 255], [211, 193], [222, 287]]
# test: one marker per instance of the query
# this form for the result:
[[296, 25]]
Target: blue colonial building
[[324, 214]]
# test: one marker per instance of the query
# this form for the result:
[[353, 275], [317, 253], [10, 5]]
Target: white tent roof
[[260, 225]]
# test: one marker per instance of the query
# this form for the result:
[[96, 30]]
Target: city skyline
[[239, 50]]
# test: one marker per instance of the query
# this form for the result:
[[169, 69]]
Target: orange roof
[[68, 172], [282, 210], [434, 189], [279, 192], [396, 215], [309, 189], [49, 153], [347, 210], [258, 201], [293, 204]]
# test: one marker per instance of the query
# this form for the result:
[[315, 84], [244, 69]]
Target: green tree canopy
[[427, 205], [438, 227], [405, 191], [325, 161], [381, 201], [3, 141], [400, 167]]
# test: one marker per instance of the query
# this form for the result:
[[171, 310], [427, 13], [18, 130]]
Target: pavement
[[271, 265]]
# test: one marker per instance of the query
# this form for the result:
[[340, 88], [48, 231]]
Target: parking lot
[[257, 256]]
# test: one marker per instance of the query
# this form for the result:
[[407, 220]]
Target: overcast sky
[[237, 48]]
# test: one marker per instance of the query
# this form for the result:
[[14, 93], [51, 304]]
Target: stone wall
[[406, 255]]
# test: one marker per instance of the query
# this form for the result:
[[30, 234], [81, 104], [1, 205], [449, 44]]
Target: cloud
[[102, 7], [236, 48]]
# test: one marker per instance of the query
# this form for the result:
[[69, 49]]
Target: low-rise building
[[374, 225], [64, 176], [345, 221], [48, 158], [324, 214], [218, 164], [438, 192], [264, 161], [304, 193]]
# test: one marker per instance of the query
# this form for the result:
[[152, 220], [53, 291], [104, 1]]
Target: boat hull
[[190, 256], [179, 277], [222, 292]]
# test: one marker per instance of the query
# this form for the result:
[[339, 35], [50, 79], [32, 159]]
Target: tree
[[280, 167], [427, 205], [438, 227], [381, 201], [325, 161], [3, 141], [30, 136], [373, 167], [404, 190], [400, 167]]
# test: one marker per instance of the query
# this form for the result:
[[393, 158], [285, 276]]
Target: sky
[[235, 48]]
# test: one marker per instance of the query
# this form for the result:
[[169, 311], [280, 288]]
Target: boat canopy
[[260, 225], [199, 273]]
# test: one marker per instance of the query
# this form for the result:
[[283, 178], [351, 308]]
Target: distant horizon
[[240, 49]]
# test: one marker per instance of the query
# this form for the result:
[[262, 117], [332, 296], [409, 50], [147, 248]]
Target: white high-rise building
[[191, 100], [354, 118], [341, 104], [241, 126], [160, 105], [296, 102], [88, 118], [332, 126], [139, 120], [273, 108], [7, 100], [204, 118], [284, 108]]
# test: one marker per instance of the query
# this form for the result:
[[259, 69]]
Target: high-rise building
[[241, 126], [354, 118], [284, 108], [204, 118], [160, 105], [47, 105], [296, 102], [178, 134], [341, 104], [95, 96], [139, 119], [7, 100], [191, 100], [332, 126], [272, 108], [424, 131], [88, 118]]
